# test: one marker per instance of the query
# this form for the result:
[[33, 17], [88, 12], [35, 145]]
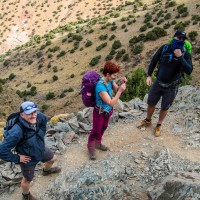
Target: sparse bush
[[101, 46], [103, 37], [136, 85], [88, 43], [167, 16], [125, 57], [55, 69], [39, 54], [44, 107], [62, 53], [112, 37], [138, 48], [28, 85], [95, 60], [113, 28], [192, 35], [30, 62], [50, 95], [109, 57], [6, 62], [143, 28], [1, 88], [116, 44], [11, 76], [40, 66], [70, 89], [55, 78], [72, 76]]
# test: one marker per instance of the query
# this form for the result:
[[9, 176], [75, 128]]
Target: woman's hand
[[24, 159], [122, 87], [123, 79]]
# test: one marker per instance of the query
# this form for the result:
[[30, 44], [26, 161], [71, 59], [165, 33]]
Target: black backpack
[[10, 122]]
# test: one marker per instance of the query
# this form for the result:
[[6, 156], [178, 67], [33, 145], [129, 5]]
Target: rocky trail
[[136, 160]]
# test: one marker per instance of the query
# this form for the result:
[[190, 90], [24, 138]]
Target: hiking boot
[[52, 170], [101, 147], [28, 196], [157, 131], [144, 123], [92, 155]]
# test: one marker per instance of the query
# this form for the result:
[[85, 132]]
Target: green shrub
[[182, 9], [103, 37], [125, 57], [137, 48], [88, 43], [1, 88], [192, 35], [39, 54], [44, 107], [143, 28], [50, 95], [136, 85], [72, 76], [2, 81], [62, 95], [167, 16], [116, 44], [109, 57], [113, 28], [62, 53], [48, 42], [11, 76], [55, 69], [29, 85], [112, 37], [30, 62], [95, 60], [167, 25], [40, 66], [6, 62], [101, 46], [55, 78], [70, 89]]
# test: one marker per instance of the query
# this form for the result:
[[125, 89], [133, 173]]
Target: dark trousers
[[100, 124]]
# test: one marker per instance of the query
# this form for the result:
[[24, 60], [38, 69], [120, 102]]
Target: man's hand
[[24, 159], [149, 80], [177, 53]]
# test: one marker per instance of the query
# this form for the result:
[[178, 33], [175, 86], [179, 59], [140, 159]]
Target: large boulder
[[178, 186]]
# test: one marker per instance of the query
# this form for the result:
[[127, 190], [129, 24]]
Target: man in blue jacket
[[32, 123], [173, 61]]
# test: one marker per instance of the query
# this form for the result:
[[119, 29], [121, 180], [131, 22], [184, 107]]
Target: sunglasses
[[30, 107], [181, 38]]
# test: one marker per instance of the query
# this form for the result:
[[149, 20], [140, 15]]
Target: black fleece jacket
[[170, 70]]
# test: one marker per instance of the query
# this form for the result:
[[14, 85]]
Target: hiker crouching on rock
[[27, 137], [174, 60], [104, 106]]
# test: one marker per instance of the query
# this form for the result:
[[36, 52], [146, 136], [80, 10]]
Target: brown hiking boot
[[157, 131], [144, 123], [28, 197], [52, 170], [101, 147], [92, 155]]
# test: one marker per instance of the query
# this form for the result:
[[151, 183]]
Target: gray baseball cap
[[28, 107]]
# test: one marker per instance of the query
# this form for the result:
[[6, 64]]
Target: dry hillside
[[48, 67]]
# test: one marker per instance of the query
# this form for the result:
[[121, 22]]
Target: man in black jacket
[[31, 123], [173, 61]]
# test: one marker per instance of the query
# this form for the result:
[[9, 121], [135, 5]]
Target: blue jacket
[[34, 145]]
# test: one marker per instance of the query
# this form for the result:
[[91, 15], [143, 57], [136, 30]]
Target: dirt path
[[119, 137]]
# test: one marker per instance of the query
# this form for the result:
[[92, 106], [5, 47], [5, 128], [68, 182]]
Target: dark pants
[[28, 170], [168, 95], [100, 124]]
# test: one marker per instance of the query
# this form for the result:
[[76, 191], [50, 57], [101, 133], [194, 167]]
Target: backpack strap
[[25, 138]]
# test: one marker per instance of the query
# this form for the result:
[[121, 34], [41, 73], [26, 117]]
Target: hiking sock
[[158, 125], [147, 120], [25, 193]]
